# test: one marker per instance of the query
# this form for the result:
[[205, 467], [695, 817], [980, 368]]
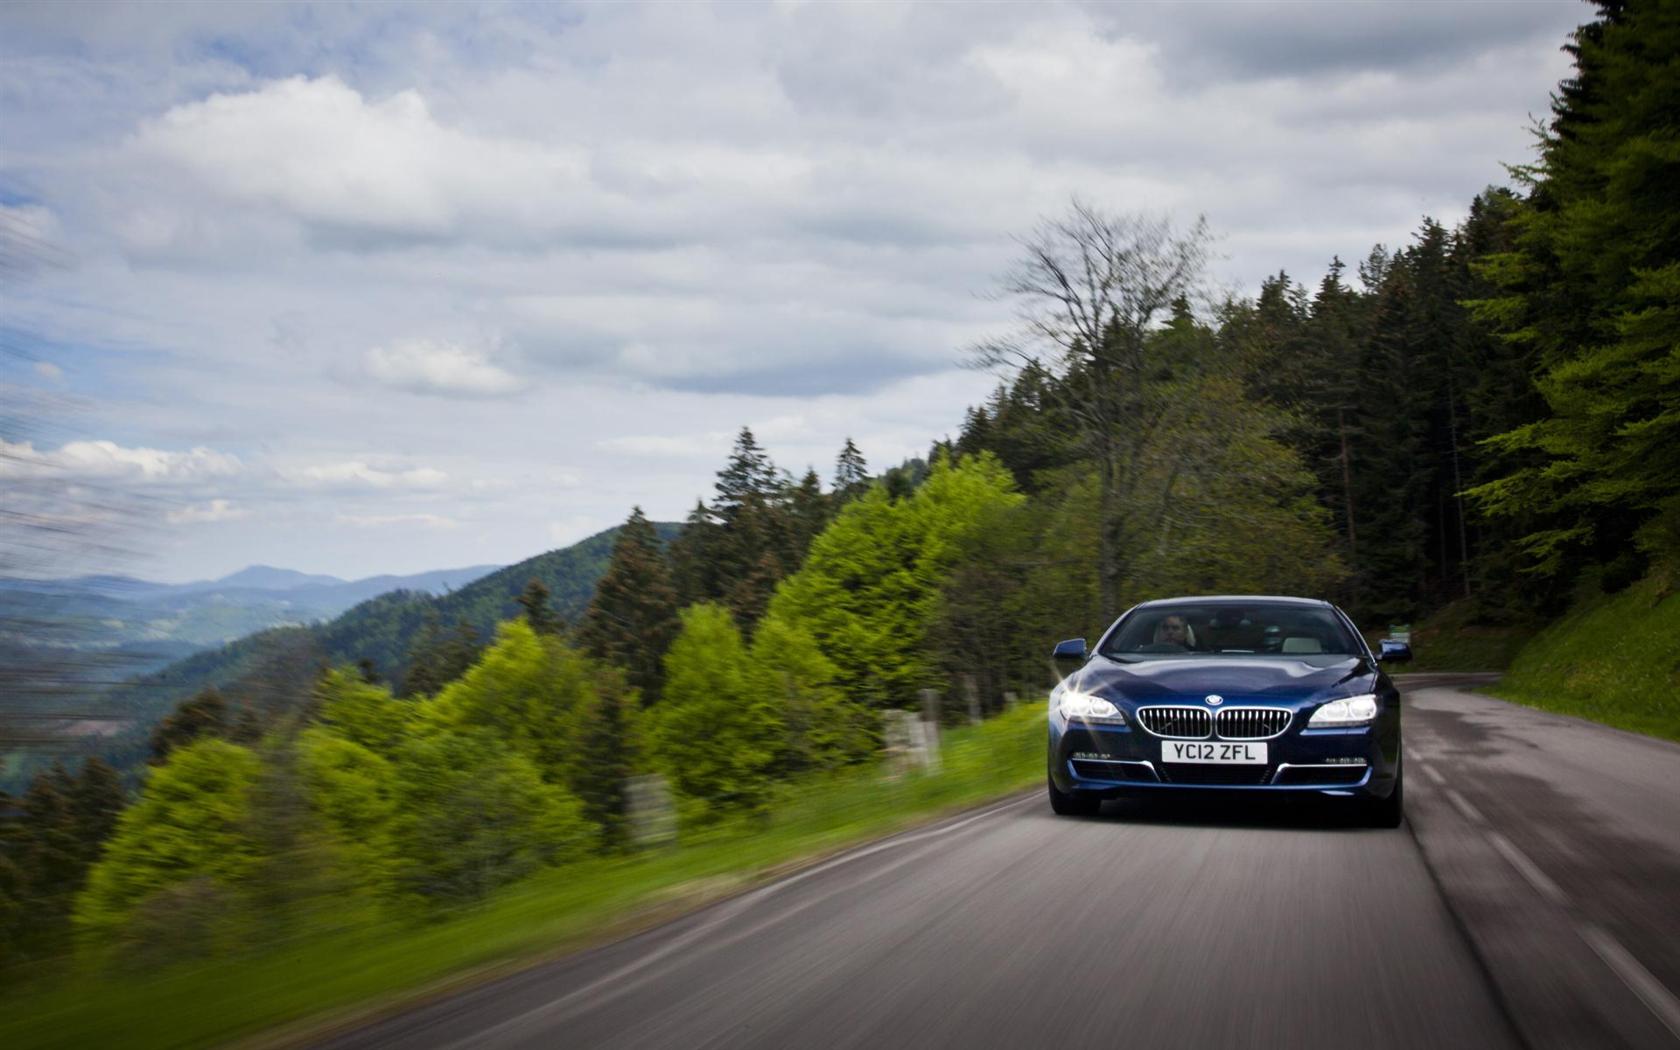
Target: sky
[[383, 288]]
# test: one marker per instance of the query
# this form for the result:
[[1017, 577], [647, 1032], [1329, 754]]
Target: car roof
[[1233, 599]]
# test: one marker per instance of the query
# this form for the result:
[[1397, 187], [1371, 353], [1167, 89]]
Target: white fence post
[[653, 819]]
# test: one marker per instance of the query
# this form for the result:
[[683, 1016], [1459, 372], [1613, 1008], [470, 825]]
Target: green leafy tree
[[823, 728], [633, 616], [717, 738], [361, 712], [351, 791], [192, 822], [869, 593], [528, 692], [472, 815]]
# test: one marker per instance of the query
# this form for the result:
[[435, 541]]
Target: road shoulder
[[1532, 854]]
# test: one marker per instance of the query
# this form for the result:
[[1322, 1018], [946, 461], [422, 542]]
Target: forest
[[1484, 419]]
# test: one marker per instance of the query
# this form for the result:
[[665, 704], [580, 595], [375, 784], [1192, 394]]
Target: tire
[[1074, 804], [1387, 812]]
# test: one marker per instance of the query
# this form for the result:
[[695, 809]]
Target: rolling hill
[[260, 669]]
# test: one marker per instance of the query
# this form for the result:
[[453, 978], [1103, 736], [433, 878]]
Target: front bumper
[[1108, 761]]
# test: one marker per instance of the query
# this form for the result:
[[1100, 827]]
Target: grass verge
[[1614, 660], [1449, 640], [313, 978]]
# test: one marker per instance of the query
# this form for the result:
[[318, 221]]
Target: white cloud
[[681, 218], [357, 473], [380, 521], [214, 511], [574, 527], [661, 446], [429, 367], [317, 150], [107, 460]]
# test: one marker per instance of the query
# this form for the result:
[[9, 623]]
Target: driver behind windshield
[[1173, 630]]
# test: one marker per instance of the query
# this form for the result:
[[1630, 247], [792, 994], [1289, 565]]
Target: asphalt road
[[1557, 841], [1213, 924]]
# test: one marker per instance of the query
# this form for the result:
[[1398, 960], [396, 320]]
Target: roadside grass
[[1614, 660], [1450, 641], [301, 985]]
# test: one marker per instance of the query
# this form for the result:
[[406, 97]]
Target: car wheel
[[1072, 804], [1387, 812]]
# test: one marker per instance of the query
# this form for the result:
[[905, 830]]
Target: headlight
[[1352, 711], [1089, 708]]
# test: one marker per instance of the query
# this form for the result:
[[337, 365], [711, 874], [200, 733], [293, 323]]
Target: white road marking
[[1528, 869], [614, 983], [1429, 771], [1462, 804], [1651, 992]]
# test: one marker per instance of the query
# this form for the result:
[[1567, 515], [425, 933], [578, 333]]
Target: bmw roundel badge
[[1216, 699]]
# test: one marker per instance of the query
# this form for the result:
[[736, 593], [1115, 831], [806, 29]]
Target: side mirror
[[1069, 655], [1393, 652]]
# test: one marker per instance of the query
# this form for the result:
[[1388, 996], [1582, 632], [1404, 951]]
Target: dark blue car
[[1256, 694]]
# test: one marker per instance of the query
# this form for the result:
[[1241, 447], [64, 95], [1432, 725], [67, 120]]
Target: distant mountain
[[150, 624], [262, 669], [268, 578]]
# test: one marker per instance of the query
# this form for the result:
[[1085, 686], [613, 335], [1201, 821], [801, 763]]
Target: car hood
[[1268, 679]]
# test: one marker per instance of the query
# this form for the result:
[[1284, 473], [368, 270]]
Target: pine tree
[[96, 801], [534, 601], [14, 909], [851, 472], [50, 854], [606, 758], [633, 615], [755, 527], [1593, 291], [693, 568], [437, 659], [749, 479], [750, 595], [809, 511], [205, 715]]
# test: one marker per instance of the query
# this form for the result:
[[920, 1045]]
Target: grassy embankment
[[315, 977], [1449, 641], [1614, 660]]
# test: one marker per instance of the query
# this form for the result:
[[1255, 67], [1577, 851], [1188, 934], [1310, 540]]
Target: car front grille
[[1236, 776], [1183, 723], [1198, 723], [1251, 723]]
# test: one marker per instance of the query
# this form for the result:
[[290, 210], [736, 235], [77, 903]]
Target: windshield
[[1249, 628]]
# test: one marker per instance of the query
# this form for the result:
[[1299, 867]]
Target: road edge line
[[307, 1031], [1506, 1009]]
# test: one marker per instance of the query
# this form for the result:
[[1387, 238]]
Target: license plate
[[1211, 752]]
